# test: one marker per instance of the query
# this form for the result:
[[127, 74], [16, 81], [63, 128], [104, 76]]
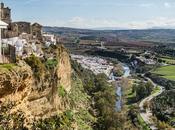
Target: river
[[119, 88]]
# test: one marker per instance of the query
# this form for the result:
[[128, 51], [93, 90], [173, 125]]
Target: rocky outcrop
[[15, 79], [18, 85], [64, 70]]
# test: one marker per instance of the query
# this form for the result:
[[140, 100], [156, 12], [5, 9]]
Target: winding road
[[146, 115]]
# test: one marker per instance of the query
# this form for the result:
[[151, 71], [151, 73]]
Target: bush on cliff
[[36, 65]]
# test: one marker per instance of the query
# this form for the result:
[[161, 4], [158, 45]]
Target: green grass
[[51, 63], [61, 91], [155, 90], [7, 66], [130, 97], [167, 72], [142, 123], [172, 120], [130, 94]]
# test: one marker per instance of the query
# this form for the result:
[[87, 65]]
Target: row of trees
[[142, 90], [103, 96]]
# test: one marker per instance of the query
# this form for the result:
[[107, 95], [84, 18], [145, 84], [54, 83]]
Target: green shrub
[[51, 63], [36, 65], [62, 121], [61, 91]]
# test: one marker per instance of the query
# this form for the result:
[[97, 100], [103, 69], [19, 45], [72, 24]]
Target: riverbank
[[119, 87]]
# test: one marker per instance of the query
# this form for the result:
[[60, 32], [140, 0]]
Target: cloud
[[146, 5], [167, 5], [79, 22], [31, 1]]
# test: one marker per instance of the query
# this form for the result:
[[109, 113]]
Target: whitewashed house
[[49, 39]]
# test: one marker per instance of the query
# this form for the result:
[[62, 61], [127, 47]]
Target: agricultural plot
[[167, 72]]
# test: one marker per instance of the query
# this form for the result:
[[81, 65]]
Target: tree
[[77, 42], [143, 89]]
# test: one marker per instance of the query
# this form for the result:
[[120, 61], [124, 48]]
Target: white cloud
[[167, 5], [146, 5], [31, 1], [79, 22]]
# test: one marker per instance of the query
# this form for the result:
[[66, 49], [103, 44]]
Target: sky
[[133, 14]]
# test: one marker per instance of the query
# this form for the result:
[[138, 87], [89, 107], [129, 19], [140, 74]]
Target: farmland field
[[168, 60], [167, 72]]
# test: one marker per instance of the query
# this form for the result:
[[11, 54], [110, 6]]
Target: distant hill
[[64, 30], [149, 35]]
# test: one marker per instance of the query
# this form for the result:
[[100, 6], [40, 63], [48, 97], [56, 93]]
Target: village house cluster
[[95, 64], [50, 39], [147, 58], [20, 38]]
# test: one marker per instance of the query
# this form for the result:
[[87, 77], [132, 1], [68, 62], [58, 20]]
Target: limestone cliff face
[[18, 85], [64, 71], [15, 80]]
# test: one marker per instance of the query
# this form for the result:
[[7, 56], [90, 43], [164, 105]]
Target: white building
[[3, 25], [17, 42], [50, 38], [96, 64]]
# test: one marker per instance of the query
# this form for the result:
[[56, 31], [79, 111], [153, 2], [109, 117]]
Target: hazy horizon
[[93, 14]]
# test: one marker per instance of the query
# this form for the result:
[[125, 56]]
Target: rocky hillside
[[55, 93], [35, 90], [31, 87]]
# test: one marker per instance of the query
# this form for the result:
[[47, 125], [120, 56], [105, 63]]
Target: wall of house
[[21, 27], [8, 54], [36, 31]]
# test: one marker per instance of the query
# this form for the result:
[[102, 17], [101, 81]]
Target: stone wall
[[21, 27], [5, 13], [17, 28], [36, 31]]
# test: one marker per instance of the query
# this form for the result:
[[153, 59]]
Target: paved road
[[146, 116]]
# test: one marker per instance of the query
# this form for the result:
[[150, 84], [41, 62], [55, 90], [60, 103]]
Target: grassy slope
[[167, 72], [142, 123], [7, 66]]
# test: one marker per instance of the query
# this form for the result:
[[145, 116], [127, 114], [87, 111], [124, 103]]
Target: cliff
[[55, 93], [34, 90]]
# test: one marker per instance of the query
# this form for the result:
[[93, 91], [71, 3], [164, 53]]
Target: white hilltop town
[[21, 38], [96, 64]]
